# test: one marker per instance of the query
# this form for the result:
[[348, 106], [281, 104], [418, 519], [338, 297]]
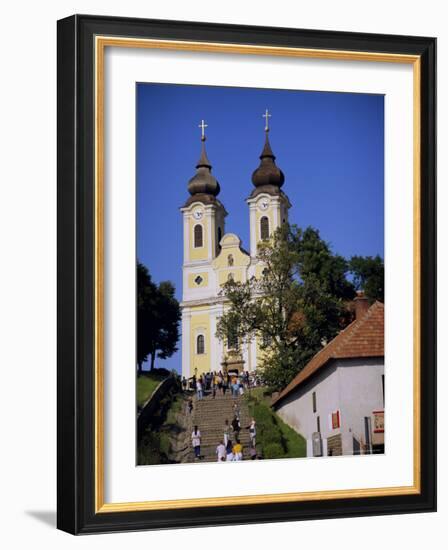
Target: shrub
[[271, 434], [165, 445], [273, 450], [262, 414]]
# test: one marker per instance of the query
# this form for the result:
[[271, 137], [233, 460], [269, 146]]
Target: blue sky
[[329, 145]]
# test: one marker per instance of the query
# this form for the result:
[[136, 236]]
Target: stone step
[[207, 432], [211, 440], [209, 415], [211, 457], [204, 425], [215, 406], [219, 434]]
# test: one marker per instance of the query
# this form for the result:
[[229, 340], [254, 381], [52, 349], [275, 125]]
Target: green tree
[[297, 305], [158, 317], [368, 275]]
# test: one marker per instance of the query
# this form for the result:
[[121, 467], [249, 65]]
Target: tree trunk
[[153, 360], [140, 368]]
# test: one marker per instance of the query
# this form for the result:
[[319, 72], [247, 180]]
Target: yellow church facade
[[212, 257]]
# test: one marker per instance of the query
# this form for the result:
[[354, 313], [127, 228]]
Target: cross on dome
[[203, 126], [267, 116], [203, 183]]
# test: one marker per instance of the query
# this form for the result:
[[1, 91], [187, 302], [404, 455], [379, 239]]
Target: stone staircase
[[209, 415]]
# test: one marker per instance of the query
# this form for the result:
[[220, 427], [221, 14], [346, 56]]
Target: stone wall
[[151, 406]]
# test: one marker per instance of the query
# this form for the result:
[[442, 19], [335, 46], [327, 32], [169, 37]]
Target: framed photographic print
[[246, 274]]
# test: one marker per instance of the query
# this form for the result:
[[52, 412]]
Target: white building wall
[[186, 316], [253, 234], [354, 387], [297, 408], [361, 393]]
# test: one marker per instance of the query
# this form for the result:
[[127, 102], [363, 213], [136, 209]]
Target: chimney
[[361, 305]]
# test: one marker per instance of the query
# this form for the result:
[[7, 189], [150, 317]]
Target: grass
[[295, 443], [276, 439], [146, 384], [155, 445]]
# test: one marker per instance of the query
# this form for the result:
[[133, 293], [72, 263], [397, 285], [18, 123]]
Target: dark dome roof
[[203, 182], [268, 173]]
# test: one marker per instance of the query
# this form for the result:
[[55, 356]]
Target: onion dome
[[268, 172], [203, 182]]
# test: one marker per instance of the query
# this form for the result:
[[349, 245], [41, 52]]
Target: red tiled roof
[[362, 338]]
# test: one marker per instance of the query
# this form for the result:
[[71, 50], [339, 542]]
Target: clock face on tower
[[263, 204], [197, 214]]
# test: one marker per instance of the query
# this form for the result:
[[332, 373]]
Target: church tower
[[268, 204], [203, 213], [203, 229]]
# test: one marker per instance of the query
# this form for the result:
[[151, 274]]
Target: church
[[211, 257]]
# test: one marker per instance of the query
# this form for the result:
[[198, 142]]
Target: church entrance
[[233, 364]]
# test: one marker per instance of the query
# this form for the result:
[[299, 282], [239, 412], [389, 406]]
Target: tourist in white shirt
[[221, 452], [199, 389], [252, 432], [196, 442]]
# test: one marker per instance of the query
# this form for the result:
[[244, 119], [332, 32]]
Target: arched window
[[264, 228], [230, 260], [219, 235], [198, 236], [200, 344]]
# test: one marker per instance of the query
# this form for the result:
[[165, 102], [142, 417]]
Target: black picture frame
[[76, 255]]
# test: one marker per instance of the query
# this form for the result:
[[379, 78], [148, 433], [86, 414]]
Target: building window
[[198, 236], [314, 402], [318, 423], [198, 280], [219, 236], [230, 260], [264, 228], [200, 344], [335, 420]]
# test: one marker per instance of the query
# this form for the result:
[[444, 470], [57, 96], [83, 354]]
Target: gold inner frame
[[101, 42]]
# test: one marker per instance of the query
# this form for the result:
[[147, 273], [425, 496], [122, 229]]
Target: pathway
[[209, 416]]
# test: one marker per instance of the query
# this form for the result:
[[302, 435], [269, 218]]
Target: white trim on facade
[[186, 316]]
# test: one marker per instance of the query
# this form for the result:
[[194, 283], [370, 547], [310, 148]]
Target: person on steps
[[221, 452], [252, 432], [237, 451], [196, 442], [226, 431], [236, 411], [190, 406], [229, 451], [236, 426], [199, 391]]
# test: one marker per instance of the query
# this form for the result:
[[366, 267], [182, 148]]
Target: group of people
[[228, 449], [216, 383], [219, 383]]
